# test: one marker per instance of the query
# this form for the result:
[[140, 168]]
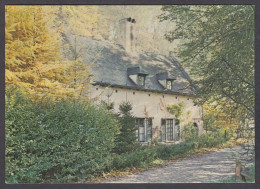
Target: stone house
[[149, 81]]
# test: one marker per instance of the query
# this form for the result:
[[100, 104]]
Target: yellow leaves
[[32, 50], [10, 77], [80, 20], [221, 114], [158, 162]]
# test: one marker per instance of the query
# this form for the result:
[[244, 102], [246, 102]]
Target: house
[[150, 81]]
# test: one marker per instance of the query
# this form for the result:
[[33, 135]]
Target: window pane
[[140, 124], [141, 80], [163, 132], [163, 121], [149, 129], [169, 84], [141, 134], [169, 124]]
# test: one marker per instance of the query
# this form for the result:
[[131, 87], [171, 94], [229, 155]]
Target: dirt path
[[205, 168]]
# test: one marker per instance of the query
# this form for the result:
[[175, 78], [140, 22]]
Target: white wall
[[153, 106]]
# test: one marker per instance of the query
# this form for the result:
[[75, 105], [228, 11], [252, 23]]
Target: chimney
[[127, 34]]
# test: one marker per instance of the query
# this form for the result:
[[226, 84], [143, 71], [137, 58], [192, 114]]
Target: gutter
[[141, 89]]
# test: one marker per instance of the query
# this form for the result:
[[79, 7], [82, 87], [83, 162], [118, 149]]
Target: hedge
[[56, 142]]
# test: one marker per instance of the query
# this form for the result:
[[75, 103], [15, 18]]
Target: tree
[[77, 71], [218, 49], [127, 140], [221, 116], [33, 57], [78, 23], [78, 20]]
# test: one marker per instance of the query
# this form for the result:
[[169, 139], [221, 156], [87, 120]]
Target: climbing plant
[[176, 110]]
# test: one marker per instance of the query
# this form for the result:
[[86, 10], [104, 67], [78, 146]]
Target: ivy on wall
[[176, 110]]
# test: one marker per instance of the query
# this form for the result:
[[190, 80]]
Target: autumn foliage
[[34, 57]]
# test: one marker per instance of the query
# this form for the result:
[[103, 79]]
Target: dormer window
[[164, 79], [141, 79], [168, 84], [137, 76]]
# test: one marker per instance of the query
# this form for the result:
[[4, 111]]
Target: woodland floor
[[204, 168]]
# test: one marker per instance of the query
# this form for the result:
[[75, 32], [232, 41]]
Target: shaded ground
[[205, 168]]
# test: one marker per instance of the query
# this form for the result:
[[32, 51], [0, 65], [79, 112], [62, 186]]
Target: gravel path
[[209, 167]]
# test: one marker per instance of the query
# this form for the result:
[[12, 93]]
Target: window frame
[[141, 83], [168, 80], [147, 124], [170, 131], [139, 122]]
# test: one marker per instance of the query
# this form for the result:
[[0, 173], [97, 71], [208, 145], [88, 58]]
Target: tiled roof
[[109, 63]]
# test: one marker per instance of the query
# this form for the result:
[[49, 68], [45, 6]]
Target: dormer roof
[[164, 76], [135, 71]]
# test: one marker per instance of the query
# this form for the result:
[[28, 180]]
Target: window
[[170, 131], [141, 80], [168, 84], [144, 131]]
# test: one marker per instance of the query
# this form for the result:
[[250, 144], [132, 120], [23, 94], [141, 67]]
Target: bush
[[211, 139], [61, 142], [136, 158], [148, 154], [190, 132]]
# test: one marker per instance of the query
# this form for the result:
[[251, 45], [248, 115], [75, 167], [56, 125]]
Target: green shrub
[[148, 154], [251, 170], [211, 139], [61, 142], [190, 132]]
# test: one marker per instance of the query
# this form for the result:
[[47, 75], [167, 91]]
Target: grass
[[232, 179]]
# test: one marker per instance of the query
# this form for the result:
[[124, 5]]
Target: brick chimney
[[127, 34]]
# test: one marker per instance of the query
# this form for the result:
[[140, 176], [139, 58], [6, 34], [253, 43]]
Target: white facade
[[151, 105]]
